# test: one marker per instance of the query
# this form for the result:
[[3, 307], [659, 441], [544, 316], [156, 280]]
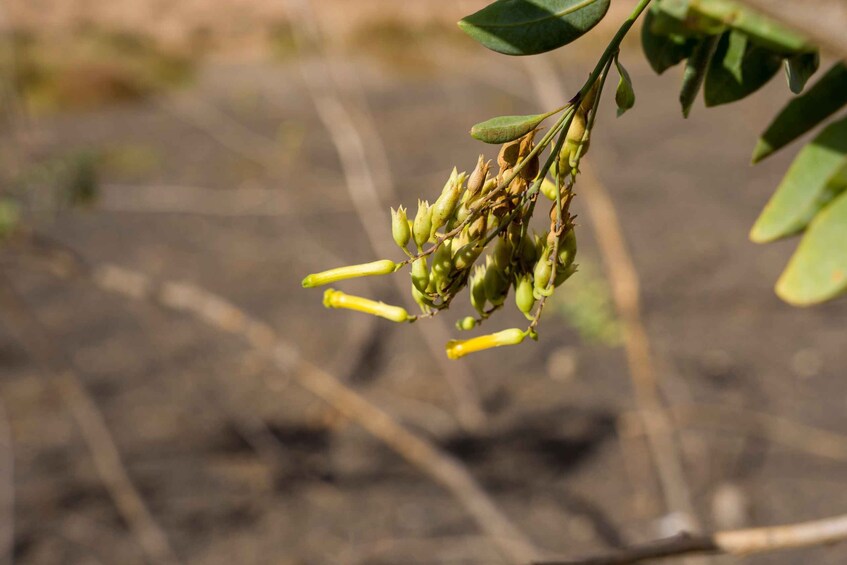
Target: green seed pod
[[400, 227], [523, 294], [467, 255], [542, 273], [423, 223], [465, 324], [496, 285], [443, 208], [567, 249], [564, 274], [420, 274]]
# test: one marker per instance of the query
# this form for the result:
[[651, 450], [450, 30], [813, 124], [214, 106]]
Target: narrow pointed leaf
[[810, 183], [695, 71], [528, 27], [800, 68], [625, 95], [738, 69], [663, 51], [823, 99], [818, 269], [503, 129]]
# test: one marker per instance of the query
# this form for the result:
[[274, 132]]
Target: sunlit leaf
[[826, 97], [810, 183], [818, 270], [503, 129], [738, 69], [528, 27]]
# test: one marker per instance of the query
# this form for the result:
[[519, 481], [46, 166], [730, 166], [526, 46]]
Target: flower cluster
[[477, 235]]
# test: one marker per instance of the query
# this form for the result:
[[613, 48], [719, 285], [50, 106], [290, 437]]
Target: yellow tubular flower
[[337, 299], [382, 267], [457, 348]]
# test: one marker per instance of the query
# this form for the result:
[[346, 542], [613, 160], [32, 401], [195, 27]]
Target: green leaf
[[738, 69], [625, 95], [761, 29], [503, 129], [676, 17], [818, 270], [663, 51], [695, 72], [810, 183], [800, 68], [528, 27], [803, 113]]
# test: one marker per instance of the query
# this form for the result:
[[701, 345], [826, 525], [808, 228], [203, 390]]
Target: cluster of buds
[[476, 235]]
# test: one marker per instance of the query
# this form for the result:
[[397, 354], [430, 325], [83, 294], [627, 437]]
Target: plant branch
[[733, 542]]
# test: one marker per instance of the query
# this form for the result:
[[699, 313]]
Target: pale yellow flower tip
[[457, 348], [383, 267], [337, 299]]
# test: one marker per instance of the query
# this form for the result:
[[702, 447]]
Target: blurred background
[[234, 146]]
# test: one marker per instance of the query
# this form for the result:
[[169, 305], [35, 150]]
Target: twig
[[7, 489], [217, 312], [625, 292], [107, 460], [361, 172], [733, 542]]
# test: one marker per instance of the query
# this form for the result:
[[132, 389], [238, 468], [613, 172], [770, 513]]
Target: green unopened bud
[[443, 208], [567, 249], [478, 227], [548, 189], [420, 274], [338, 299], [529, 253], [477, 288], [442, 267], [382, 267], [423, 223], [400, 227], [465, 324], [457, 348], [564, 274], [422, 300], [502, 255], [523, 295], [467, 255], [496, 285], [542, 273]]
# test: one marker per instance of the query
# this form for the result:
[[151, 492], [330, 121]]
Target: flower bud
[[477, 288], [496, 285], [548, 189], [382, 267], [502, 255], [466, 323], [420, 274], [467, 255], [567, 249], [442, 267], [523, 295], [478, 227], [423, 223], [529, 253], [443, 208], [400, 227], [338, 299], [459, 348], [541, 275], [564, 274]]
